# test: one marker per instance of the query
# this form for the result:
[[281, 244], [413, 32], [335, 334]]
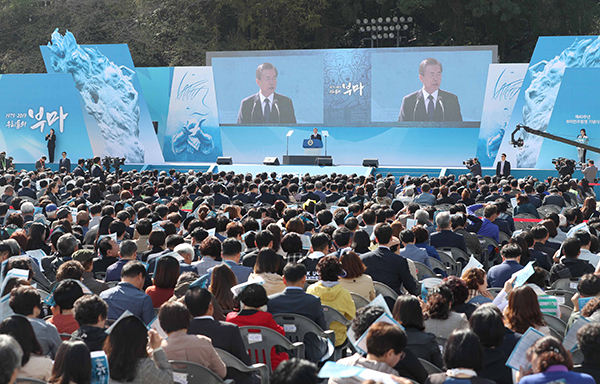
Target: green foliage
[[180, 32]]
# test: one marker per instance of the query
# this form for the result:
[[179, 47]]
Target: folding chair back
[[359, 301], [196, 373], [384, 290], [555, 323], [297, 326], [236, 364], [566, 285], [429, 367], [448, 261], [260, 340], [423, 271]]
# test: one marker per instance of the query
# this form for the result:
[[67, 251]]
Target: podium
[[313, 150], [312, 147]]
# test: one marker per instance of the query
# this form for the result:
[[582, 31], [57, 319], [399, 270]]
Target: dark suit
[[298, 302], [389, 268], [242, 197], [78, 171], [310, 196], [554, 200], [251, 111], [447, 238], [225, 336], [316, 137], [447, 107], [506, 172], [66, 163]]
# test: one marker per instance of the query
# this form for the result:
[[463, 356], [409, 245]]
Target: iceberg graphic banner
[[536, 101], [192, 132], [503, 85], [117, 119], [576, 108], [32, 105]]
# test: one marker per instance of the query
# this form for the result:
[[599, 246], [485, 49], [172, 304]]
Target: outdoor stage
[[396, 171]]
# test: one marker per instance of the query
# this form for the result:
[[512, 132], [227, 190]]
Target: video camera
[[88, 164], [563, 160], [470, 161]]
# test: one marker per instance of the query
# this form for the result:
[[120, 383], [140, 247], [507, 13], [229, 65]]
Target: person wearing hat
[[64, 213], [86, 258], [51, 210]]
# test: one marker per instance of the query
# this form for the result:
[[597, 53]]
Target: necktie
[[430, 107], [267, 110]]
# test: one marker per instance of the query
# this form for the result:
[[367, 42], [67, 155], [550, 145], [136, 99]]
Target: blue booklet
[[100, 372]]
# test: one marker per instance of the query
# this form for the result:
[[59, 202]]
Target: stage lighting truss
[[388, 28]]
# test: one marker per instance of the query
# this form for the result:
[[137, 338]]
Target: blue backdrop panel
[[117, 118], [30, 105], [536, 101], [503, 85], [156, 87], [192, 132], [575, 109], [349, 145]]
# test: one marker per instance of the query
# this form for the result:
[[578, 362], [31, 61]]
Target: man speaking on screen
[[266, 106], [430, 103]]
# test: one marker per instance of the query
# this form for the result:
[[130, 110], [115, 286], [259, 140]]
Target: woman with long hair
[[73, 364], [407, 311], [589, 210], [165, 280], [38, 234], [523, 311], [33, 364], [96, 195], [128, 357], [221, 281]]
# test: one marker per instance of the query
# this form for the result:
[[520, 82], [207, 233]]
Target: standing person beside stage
[[51, 139], [589, 171], [64, 162], [583, 139], [503, 167]]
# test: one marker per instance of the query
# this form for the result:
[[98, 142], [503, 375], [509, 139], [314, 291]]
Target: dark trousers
[[51, 154]]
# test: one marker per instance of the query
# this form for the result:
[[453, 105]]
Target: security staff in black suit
[[79, 171], [96, 170], [315, 135], [430, 103], [266, 106], [64, 162], [51, 139], [503, 167]]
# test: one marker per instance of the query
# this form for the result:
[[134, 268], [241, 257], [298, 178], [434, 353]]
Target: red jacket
[[264, 319]]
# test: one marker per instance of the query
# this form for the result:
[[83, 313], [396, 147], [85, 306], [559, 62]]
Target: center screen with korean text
[[407, 87]]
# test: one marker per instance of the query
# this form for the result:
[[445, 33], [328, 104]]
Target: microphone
[[443, 110], [276, 105], [252, 113], [415, 109]]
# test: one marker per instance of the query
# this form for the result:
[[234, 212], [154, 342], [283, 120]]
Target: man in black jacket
[[570, 266], [387, 267], [225, 336]]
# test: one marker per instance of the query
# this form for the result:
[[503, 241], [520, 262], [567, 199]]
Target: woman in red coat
[[253, 302]]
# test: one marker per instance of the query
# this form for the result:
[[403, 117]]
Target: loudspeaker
[[271, 161], [371, 163], [327, 161], [224, 160]]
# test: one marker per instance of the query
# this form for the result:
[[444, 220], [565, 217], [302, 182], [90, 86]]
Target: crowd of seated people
[[208, 253]]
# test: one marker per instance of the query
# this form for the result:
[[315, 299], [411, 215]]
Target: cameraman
[[565, 167], [474, 166]]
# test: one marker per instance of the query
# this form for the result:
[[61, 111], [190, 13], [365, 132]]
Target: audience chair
[[436, 264], [443, 207], [525, 225], [100, 276], [454, 267], [236, 364], [384, 290], [260, 340], [196, 373], [565, 312], [566, 285], [577, 357], [424, 271], [504, 238], [563, 296], [494, 291], [297, 327], [331, 315], [359, 301], [556, 323], [546, 209], [429, 367]]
